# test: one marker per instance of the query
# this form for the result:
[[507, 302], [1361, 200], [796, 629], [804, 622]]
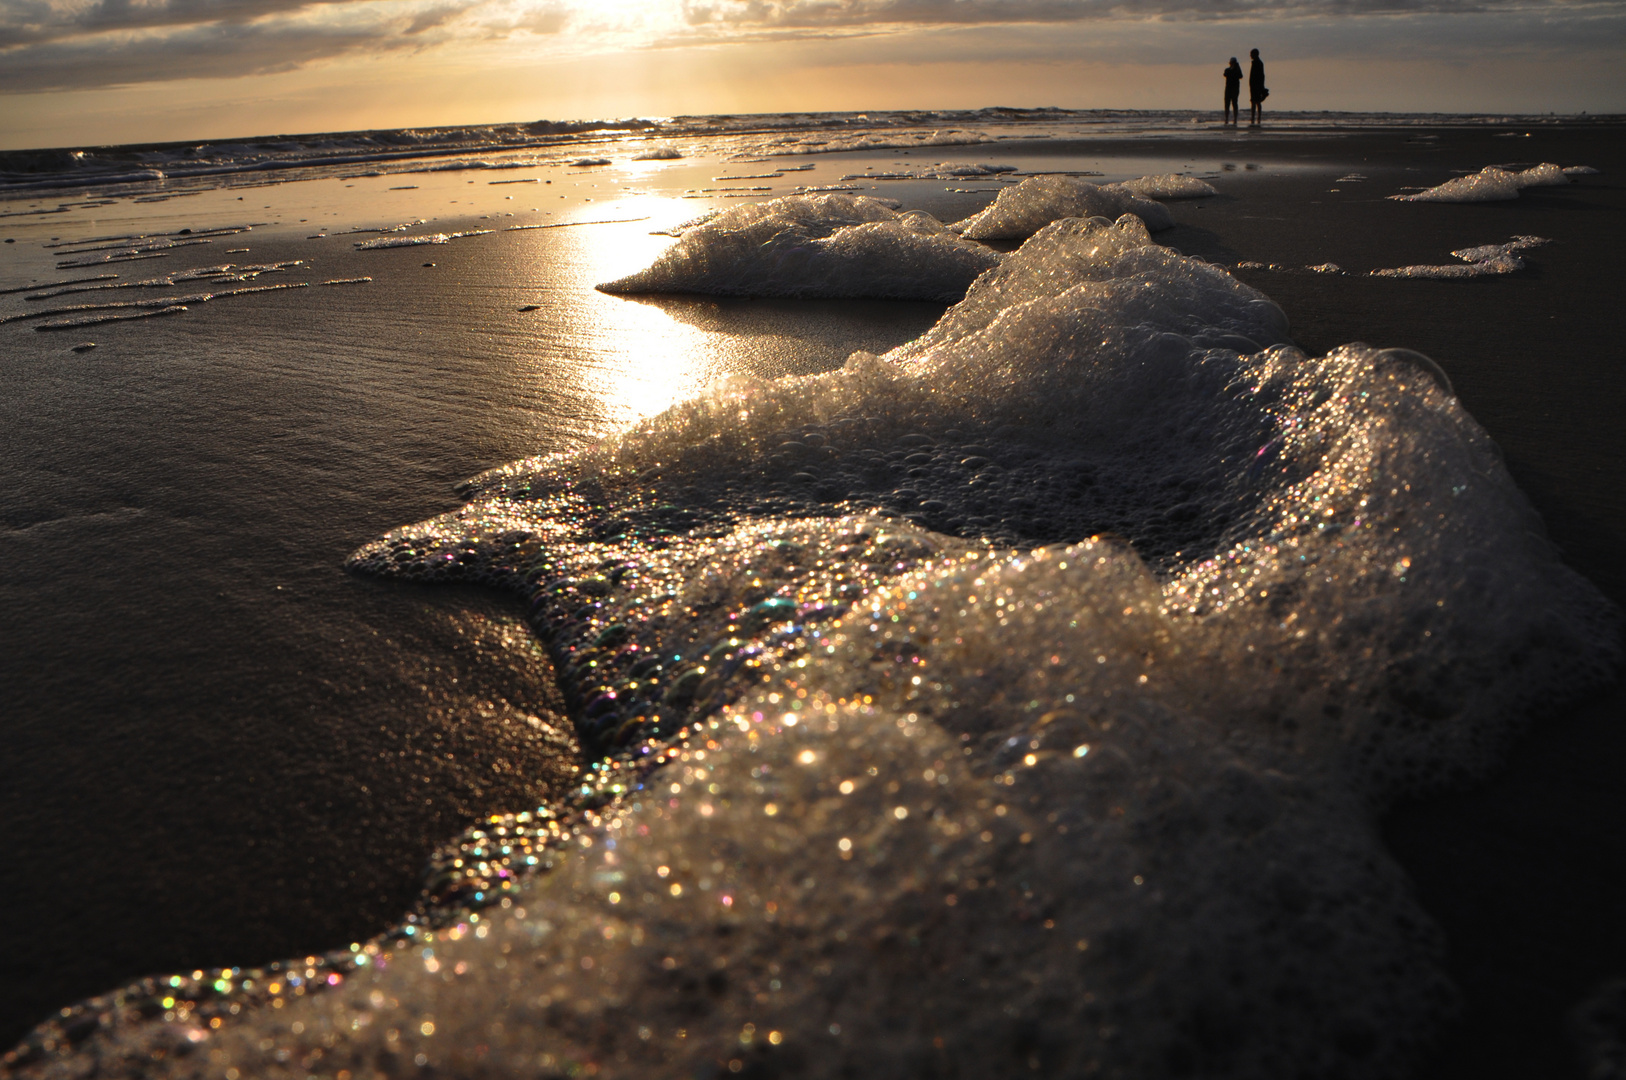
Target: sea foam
[[1167, 186], [883, 798], [1486, 260], [1019, 212], [870, 140], [1490, 184], [416, 241], [816, 246]]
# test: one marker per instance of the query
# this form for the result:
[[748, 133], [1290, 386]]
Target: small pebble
[[84, 346], [530, 307]]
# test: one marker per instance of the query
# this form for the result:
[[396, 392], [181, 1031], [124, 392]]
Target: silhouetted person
[[1256, 89], [1233, 91]]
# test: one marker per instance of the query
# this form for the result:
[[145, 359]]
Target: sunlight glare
[[632, 357]]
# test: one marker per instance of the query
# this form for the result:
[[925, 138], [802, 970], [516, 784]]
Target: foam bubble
[[816, 245], [1019, 212]]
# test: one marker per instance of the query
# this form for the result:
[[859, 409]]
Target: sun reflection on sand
[[607, 361], [632, 359]]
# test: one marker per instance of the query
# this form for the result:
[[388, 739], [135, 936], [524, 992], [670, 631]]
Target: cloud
[[32, 22], [52, 45], [794, 15]]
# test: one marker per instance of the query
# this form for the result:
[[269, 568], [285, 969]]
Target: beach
[[229, 749]]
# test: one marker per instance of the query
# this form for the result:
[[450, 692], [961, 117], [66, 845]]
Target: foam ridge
[[830, 245], [1485, 260], [1167, 186], [1018, 212], [1493, 183]]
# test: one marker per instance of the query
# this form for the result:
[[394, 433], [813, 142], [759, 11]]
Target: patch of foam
[[97, 319], [831, 144], [1488, 260], [1490, 184], [58, 284], [1167, 186], [416, 241], [816, 246], [1580, 170], [112, 257], [589, 162], [659, 153], [1544, 175], [87, 314], [943, 170], [884, 800], [1019, 212]]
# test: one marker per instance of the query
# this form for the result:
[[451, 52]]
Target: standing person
[[1233, 90], [1256, 89]]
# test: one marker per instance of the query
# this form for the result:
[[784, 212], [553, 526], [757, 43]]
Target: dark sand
[[1518, 871]]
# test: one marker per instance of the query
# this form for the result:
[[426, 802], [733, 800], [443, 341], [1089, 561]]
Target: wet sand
[[1516, 870]]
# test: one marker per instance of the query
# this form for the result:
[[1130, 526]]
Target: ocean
[[840, 643]]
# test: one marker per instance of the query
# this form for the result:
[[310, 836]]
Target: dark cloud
[[50, 46], [794, 15], [34, 22], [1439, 37], [225, 48], [216, 51]]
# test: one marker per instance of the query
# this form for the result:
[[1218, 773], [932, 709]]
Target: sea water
[[1020, 701]]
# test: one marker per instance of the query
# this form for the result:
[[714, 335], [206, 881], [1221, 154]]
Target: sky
[[89, 72]]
